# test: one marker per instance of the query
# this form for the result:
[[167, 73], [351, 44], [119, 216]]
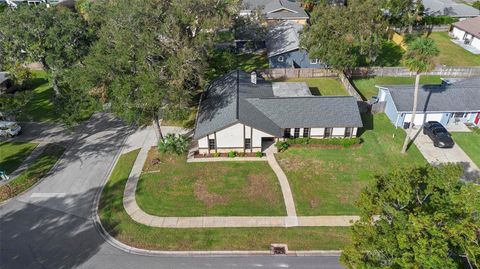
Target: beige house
[[245, 113]]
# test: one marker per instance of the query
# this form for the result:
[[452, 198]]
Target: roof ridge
[[301, 97]]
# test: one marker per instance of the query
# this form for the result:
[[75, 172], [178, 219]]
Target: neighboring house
[[5, 82], [468, 31], [276, 10], [15, 3], [245, 113], [283, 47], [452, 101], [449, 8]]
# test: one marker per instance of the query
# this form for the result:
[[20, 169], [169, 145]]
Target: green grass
[[41, 166], [329, 181], [12, 154], [117, 222], [182, 189], [323, 86], [41, 106], [222, 61], [470, 143], [367, 89], [451, 54]]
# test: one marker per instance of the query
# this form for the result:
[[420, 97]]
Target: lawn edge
[[162, 253]]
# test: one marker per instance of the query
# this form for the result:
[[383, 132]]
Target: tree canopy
[[150, 56], [417, 218], [56, 37], [420, 55], [341, 35]]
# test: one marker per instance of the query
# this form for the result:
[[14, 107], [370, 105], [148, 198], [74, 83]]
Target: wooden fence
[[444, 71]]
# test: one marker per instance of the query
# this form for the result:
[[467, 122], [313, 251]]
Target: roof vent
[[254, 77]]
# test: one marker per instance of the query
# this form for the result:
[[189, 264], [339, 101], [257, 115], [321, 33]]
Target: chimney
[[254, 77]]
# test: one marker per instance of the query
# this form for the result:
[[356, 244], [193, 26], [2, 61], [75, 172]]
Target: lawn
[[41, 106], [329, 181], [451, 54], [223, 61], [41, 166], [323, 86], [117, 222], [181, 189], [367, 89], [12, 154], [470, 143]]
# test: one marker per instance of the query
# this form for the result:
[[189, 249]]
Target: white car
[[9, 128]]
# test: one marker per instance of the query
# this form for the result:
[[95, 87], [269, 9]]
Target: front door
[[477, 119]]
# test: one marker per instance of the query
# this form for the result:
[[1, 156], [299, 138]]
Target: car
[[9, 128], [440, 136]]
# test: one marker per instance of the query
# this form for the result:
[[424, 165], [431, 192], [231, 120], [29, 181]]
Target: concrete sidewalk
[[144, 140]]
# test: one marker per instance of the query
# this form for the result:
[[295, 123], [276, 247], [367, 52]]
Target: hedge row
[[345, 142]]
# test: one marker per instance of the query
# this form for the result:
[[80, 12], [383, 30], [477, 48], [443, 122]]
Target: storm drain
[[278, 249]]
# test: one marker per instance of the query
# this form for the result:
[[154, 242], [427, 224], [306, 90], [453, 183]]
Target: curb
[[159, 253]]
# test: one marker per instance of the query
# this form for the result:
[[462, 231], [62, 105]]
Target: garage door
[[418, 118], [435, 117]]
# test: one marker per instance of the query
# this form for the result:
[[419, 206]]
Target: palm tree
[[418, 59]]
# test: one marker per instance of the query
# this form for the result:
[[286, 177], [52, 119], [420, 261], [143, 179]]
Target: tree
[[476, 4], [341, 43], [55, 37], [417, 218], [403, 13], [419, 58], [150, 56]]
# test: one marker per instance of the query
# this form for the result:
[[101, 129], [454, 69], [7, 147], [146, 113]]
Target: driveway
[[436, 155], [51, 225], [44, 132]]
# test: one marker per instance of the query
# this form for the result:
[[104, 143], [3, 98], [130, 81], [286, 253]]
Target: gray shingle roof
[[315, 111], [277, 9], [462, 96], [449, 8], [234, 99], [283, 38]]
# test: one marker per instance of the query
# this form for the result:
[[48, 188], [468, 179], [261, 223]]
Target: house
[[453, 101], [245, 113], [468, 31], [449, 8], [283, 47], [15, 3], [5, 82], [276, 10]]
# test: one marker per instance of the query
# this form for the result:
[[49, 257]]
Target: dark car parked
[[440, 136]]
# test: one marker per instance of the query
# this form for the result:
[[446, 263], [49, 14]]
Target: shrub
[[232, 154], [439, 20], [173, 144], [476, 4], [282, 145], [259, 154], [345, 142], [216, 154]]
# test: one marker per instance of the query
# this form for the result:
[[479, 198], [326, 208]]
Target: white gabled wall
[[230, 137]]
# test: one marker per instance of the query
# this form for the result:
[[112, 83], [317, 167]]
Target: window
[[459, 115], [280, 59], [286, 133], [211, 143], [348, 132], [314, 61], [296, 133], [328, 132], [248, 143], [306, 132]]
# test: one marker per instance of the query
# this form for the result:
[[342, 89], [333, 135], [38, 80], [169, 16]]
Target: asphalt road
[[50, 226]]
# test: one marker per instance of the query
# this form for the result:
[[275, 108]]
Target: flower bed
[[319, 143], [231, 154]]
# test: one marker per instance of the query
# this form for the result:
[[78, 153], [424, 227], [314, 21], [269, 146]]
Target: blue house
[[283, 47], [453, 101]]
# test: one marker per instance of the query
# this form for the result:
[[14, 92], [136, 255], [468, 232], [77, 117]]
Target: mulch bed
[[324, 146], [240, 154]]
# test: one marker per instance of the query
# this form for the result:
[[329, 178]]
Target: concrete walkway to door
[[143, 140]]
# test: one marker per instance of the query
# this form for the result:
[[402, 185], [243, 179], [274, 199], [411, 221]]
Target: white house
[[468, 31], [454, 101], [245, 113]]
